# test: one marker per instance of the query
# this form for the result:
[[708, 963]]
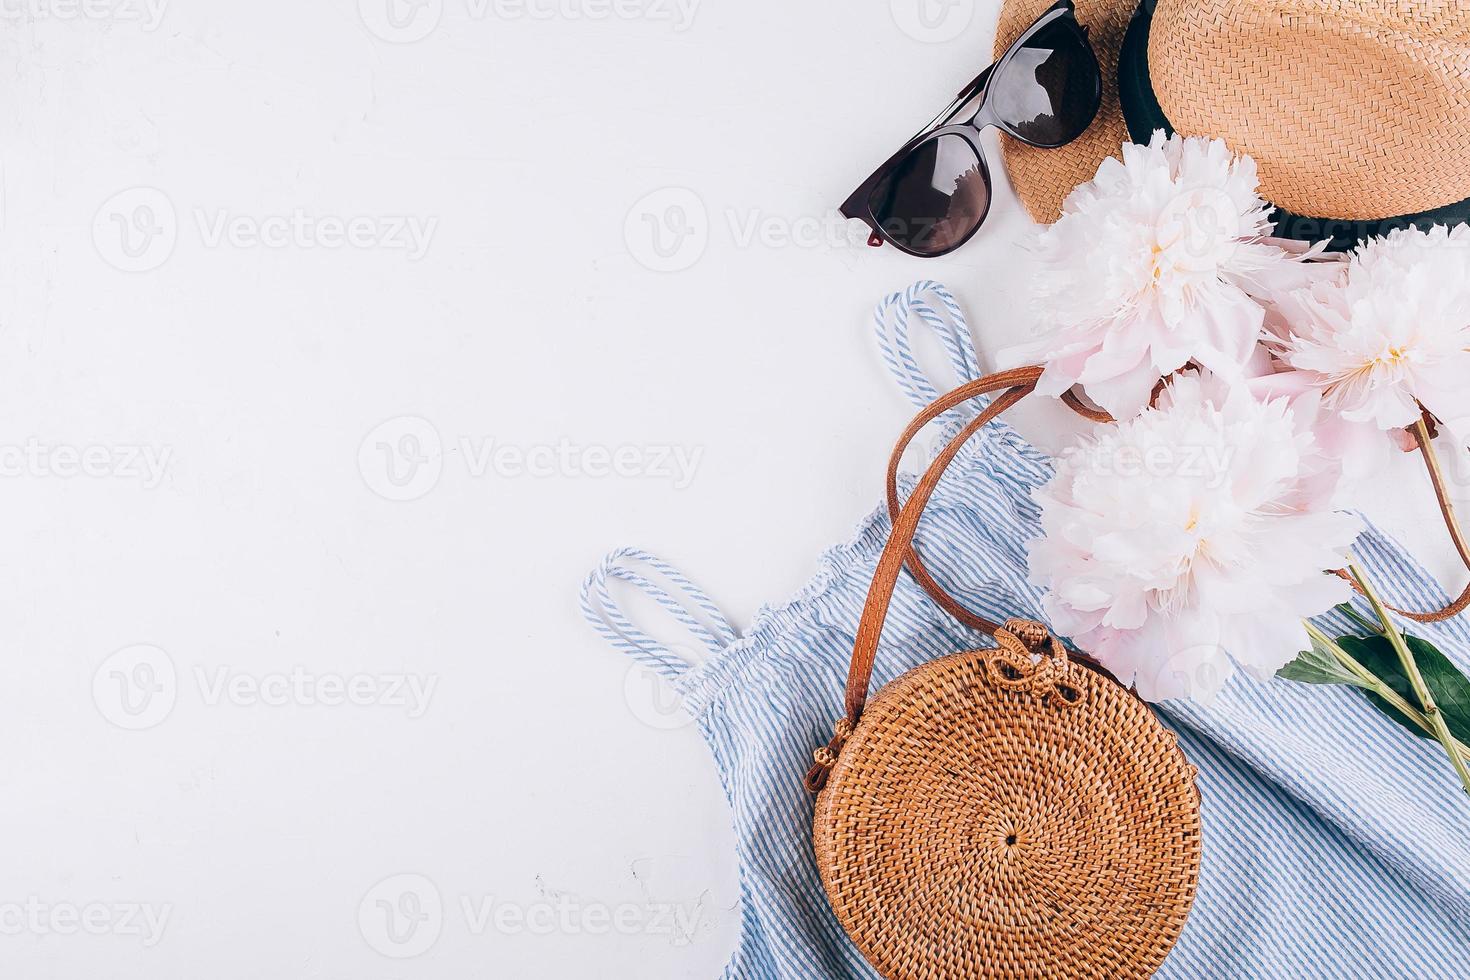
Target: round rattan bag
[[1006, 812]]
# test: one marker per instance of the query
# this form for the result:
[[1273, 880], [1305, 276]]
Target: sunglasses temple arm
[[967, 93]]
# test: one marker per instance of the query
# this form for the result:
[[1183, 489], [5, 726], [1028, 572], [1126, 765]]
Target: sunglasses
[[930, 197]]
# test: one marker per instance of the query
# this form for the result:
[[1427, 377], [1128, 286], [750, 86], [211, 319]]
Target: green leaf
[[1317, 666], [1451, 689]]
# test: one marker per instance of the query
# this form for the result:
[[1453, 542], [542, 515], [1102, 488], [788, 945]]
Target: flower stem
[[1371, 681], [1436, 477], [1416, 679], [1347, 610]]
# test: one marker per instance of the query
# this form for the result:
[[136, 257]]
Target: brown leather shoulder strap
[[1456, 606], [915, 564], [1017, 384]]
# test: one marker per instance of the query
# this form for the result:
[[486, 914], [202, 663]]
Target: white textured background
[[257, 258]]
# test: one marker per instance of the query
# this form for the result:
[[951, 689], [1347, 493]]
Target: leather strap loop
[[1017, 384], [915, 564], [1456, 606]]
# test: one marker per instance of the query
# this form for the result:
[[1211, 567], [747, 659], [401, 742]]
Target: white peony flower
[[1393, 333], [1158, 262], [1191, 536]]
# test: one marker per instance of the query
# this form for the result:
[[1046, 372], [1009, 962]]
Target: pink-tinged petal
[[1265, 644], [1117, 355], [1125, 395], [1389, 408], [1280, 384], [1229, 333], [1188, 660]]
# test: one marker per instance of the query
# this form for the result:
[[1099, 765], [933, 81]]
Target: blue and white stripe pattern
[[1335, 845]]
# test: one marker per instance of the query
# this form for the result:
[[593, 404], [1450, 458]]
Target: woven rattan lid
[[989, 818], [1352, 109]]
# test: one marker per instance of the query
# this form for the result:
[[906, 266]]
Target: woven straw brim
[[974, 827], [1352, 109]]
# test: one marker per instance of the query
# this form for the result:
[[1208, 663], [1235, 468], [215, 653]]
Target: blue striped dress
[[1335, 845]]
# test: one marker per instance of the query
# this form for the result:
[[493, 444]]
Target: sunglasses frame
[[859, 203]]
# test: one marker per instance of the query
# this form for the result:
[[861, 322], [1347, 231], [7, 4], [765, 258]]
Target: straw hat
[[1357, 112]]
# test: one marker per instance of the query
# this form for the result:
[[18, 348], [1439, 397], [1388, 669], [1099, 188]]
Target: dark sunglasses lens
[[934, 197], [1049, 90]]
